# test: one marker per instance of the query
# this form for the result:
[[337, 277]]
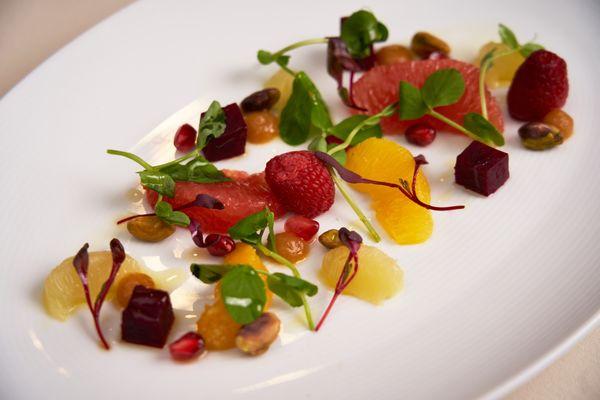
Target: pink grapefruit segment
[[245, 194], [378, 88]]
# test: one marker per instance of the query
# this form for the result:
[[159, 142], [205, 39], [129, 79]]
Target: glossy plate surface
[[500, 290]]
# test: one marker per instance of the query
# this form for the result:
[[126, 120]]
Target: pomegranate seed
[[302, 227], [188, 346], [185, 138], [420, 134], [219, 245]]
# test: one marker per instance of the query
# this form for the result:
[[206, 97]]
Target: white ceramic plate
[[500, 290]]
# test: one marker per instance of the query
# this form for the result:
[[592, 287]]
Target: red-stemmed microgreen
[[81, 264], [352, 240], [351, 51], [509, 39], [410, 193], [251, 229]]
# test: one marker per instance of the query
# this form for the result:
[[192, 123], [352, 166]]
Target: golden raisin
[[561, 120], [262, 126], [292, 247], [393, 54], [150, 228], [128, 283]]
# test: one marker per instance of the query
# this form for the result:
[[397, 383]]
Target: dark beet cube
[[148, 317], [481, 168], [233, 141]]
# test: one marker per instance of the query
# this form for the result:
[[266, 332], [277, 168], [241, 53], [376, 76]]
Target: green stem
[[296, 45], [292, 267], [373, 119], [370, 228], [132, 157], [482, 71], [180, 159], [454, 125]]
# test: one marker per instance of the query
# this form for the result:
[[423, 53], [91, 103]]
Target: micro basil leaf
[[508, 37], [247, 229], [290, 288], [244, 294], [211, 273], [283, 60], [411, 104], [212, 124], [477, 124], [160, 182], [360, 30], [529, 48], [264, 57], [342, 129], [197, 170], [443, 87], [304, 113], [165, 212]]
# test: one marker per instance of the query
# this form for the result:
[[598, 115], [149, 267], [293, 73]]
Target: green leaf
[[249, 229], [165, 212], [283, 60], [197, 170], [443, 87], [264, 57], [212, 124], [360, 30], [482, 128], [411, 104], [318, 144], [508, 37], [529, 48], [211, 273], [340, 156], [304, 113], [243, 293], [290, 288], [342, 129], [160, 182]]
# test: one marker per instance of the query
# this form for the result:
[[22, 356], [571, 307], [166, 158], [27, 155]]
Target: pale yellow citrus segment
[[63, 291], [379, 277], [282, 81], [386, 161], [503, 69], [405, 221]]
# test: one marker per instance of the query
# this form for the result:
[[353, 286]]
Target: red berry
[[420, 134], [188, 346], [185, 138], [539, 86], [219, 245], [302, 227], [301, 182]]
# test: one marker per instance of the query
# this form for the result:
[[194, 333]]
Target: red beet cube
[[148, 317], [481, 168], [233, 141]]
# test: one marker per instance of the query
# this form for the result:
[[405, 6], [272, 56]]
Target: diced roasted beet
[[233, 141], [148, 317], [481, 168]]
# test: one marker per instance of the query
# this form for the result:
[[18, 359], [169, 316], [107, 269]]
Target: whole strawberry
[[539, 86], [301, 182]]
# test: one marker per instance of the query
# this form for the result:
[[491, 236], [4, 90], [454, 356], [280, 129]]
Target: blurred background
[[32, 30]]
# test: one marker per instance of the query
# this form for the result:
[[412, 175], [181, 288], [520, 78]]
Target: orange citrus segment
[[405, 221], [215, 324]]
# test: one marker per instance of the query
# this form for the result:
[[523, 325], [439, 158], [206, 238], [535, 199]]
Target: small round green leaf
[[443, 87], [243, 293]]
